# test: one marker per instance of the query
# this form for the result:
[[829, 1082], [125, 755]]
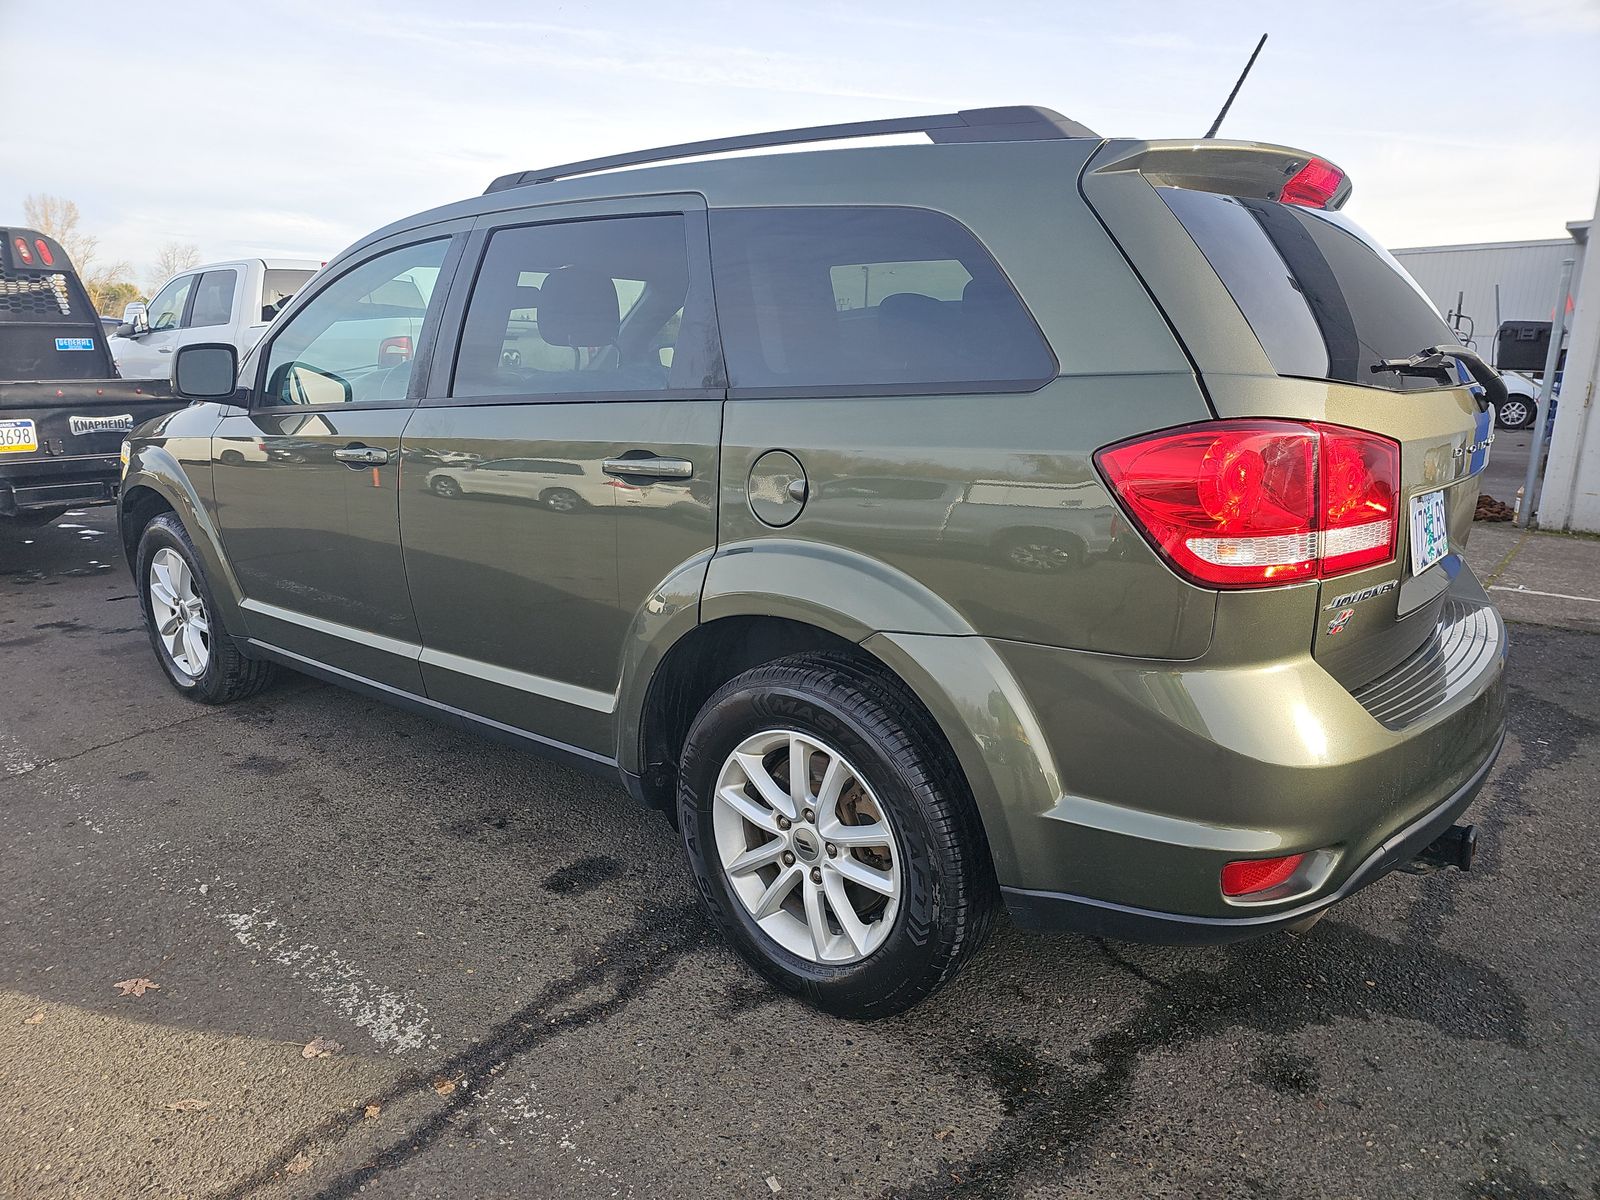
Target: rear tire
[[196, 651], [901, 775]]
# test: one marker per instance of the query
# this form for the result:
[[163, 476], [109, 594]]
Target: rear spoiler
[[1255, 169]]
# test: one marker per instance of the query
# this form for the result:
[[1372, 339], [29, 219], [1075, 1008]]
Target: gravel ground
[[526, 1002]]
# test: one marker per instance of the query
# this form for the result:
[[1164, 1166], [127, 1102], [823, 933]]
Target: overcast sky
[[294, 127]]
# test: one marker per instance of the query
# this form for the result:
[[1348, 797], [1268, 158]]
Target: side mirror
[[205, 371], [124, 330]]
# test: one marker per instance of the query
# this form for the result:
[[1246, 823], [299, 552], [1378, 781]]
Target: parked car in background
[[63, 411], [219, 302], [1521, 405], [1026, 518]]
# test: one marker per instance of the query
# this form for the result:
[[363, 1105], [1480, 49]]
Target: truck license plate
[[17, 437], [1430, 533]]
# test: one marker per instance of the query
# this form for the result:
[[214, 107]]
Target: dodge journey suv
[[1015, 518]]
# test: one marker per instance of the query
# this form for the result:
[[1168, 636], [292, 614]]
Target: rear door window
[[213, 299], [889, 300], [1324, 299]]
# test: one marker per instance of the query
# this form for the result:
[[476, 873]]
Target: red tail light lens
[[1247, 876], [23, 252], [45, 256], [1240, 504], [1313, 185]]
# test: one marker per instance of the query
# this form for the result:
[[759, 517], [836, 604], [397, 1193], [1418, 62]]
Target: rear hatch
[[1287, 308]]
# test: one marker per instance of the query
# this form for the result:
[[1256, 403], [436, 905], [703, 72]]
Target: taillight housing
[[1249, 504], [24, 254], [43, 248], [1313, 185]]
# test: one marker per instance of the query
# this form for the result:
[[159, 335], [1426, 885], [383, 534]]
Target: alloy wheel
[[179, 613], [806, 847]]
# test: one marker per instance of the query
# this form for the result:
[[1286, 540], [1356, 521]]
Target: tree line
[[110, 285]]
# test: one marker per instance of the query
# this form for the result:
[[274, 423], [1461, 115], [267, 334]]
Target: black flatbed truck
[[63, 408]]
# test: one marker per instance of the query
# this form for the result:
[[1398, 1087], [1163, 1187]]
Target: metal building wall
[[1526, 272]]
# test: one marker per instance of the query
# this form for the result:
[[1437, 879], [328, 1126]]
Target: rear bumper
[[1113, 790], [1102, 918], [40, 483]]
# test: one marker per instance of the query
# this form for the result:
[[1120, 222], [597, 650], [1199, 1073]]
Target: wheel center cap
[[807, 846]]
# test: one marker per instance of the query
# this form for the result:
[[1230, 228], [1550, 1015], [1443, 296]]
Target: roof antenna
[[1228, 103]]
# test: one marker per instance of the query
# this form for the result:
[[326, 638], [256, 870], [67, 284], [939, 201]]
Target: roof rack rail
[[1017, 123]]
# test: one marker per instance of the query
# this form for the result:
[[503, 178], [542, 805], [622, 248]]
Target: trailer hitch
[[1455, 847]]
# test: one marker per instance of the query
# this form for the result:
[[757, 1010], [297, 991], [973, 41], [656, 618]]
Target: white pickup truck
[[219, 302]]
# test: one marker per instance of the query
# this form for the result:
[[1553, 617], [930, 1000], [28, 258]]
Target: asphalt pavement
[[385, 958]]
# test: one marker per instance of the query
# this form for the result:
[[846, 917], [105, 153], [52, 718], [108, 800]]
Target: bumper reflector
[[1247, 876]]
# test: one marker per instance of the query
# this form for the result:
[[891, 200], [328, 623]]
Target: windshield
[[1325, 300]]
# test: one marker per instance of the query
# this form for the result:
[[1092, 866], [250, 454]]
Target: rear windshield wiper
[[1429, 364]]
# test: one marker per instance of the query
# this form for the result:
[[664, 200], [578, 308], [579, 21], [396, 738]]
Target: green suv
[[1020, 517]]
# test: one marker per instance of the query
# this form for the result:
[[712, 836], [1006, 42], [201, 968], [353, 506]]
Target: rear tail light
[[1313, 185], [1241, 504], [45, 256], [23, 253], [1248, 876]]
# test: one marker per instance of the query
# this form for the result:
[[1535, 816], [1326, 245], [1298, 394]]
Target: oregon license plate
[[1430, 533], [17, 437]]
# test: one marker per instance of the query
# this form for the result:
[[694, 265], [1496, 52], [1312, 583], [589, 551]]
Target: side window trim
[[447, 345], [455, 231]]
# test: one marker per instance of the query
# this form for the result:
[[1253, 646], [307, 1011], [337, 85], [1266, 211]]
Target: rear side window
[[602, 305], [1324, 299], [213, 299], [278, 286], [824, 300]]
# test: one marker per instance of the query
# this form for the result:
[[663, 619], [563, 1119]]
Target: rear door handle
[[656, 468], [362, 456]]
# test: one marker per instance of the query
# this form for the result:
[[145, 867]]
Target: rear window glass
[[278, 287], [869, 299], [1325, 300]]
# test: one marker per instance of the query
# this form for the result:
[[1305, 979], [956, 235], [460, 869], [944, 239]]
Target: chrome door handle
[[659, 468], [362, 456]]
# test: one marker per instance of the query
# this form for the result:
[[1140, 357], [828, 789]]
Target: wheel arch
[[155, 483]]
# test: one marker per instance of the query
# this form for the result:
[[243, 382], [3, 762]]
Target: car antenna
[[1228, 103]]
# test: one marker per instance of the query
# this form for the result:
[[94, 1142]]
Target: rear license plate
[[18, 437], [1430, 534]]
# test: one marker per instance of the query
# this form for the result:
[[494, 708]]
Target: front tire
[[185, 625], [862, 884]]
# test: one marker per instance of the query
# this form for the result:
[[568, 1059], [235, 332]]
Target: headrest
[[578, 307]]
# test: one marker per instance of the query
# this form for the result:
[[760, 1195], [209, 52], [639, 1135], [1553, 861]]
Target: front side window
[[601, 305], [213, 299], [893, 299], [166, 310], [355, 340]]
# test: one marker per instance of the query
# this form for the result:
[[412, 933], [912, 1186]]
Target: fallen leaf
[[299, 1164], [372, 1110], [36, 1019], [136, 987], [189, 1105], [444, 1086], [944, 1135], [320, 1048]]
